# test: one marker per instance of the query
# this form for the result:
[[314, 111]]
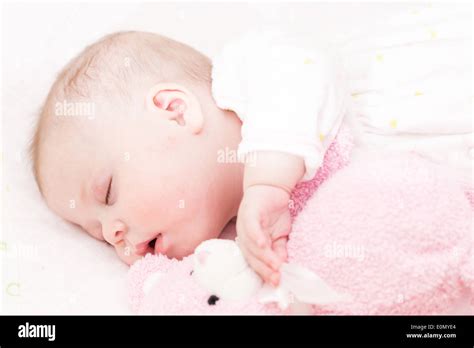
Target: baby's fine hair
[[112, 67]]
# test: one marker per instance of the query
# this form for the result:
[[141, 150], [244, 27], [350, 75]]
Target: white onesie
[[290, 96]]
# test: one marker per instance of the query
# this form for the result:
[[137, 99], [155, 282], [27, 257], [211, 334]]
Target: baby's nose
[[115, 233]]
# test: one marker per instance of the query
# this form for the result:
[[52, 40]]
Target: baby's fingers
[[279, 247], [265, 255], [265, 272], [255, 232]]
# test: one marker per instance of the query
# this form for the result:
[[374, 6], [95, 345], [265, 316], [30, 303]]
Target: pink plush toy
[[378, 235]]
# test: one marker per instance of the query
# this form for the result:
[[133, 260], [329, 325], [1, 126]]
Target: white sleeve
[[291, 97]]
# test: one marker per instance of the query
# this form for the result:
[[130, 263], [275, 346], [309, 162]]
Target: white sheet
[[48, 266]]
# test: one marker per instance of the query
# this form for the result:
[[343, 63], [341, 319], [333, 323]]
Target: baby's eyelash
[[108, 192]]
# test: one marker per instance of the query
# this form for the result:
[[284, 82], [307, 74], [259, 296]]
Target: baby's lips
[[143, 248], [155, 246], [147, 246], [160, 247]]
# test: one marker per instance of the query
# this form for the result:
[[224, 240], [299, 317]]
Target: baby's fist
[[263, 225]]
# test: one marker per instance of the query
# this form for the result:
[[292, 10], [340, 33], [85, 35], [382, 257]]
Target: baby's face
[[134, 179]]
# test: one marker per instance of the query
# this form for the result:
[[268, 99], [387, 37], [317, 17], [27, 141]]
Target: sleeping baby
[[147, 144]]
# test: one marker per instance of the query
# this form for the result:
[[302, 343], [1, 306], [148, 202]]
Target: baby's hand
[[263, 225]]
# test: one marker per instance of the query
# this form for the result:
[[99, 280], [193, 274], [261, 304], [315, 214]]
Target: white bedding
[[411, 85], [48, 266]]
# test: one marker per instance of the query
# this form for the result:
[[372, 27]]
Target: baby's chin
[[179, 254], [171, 253]]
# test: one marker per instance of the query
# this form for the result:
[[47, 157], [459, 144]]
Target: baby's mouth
[[149, 247], [152, 243], [156, 244]]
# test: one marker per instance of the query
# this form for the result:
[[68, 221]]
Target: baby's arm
[[291, 99], [279, 169], [264, 221]]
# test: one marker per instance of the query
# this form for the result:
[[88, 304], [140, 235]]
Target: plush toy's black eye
[[191, 273], [212, 300]]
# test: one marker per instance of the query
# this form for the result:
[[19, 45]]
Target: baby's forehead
[[82, 138], [69, 163], [66, 147], [60, 135], [82, 119]]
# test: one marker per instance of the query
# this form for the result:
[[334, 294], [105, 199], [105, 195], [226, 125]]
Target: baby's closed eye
[[109, 189]]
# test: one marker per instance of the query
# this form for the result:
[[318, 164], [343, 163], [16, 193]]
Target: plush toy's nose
[[212, 300]]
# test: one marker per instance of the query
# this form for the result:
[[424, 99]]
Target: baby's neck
[[229, 174]]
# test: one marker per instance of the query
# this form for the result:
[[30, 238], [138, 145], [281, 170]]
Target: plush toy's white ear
[[308, 287], [217, 260], [220, 268], [300, 287]]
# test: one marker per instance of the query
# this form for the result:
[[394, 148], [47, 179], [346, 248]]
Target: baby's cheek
[[158, 207], [146, 207]]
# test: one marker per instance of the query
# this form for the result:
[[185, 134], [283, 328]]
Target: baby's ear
[[176, 104]]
